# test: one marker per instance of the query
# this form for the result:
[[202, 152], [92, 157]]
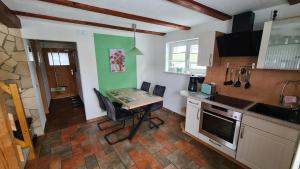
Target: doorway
[[60, 68], [58, 73]]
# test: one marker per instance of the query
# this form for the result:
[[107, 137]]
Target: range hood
[[243, 41]]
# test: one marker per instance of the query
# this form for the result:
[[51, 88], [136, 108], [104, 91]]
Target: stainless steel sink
[[285, 114]]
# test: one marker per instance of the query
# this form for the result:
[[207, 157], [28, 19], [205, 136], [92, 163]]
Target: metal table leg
[[137, 126]]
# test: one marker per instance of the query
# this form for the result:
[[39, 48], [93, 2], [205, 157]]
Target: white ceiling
[[233, 7], [157, 9]]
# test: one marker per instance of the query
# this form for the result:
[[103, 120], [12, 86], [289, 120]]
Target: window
[[58, 58], [182, 57]]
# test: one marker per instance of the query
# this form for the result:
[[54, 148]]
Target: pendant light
[[135, 51]]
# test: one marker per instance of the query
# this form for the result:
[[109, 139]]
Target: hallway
[[64, 113]]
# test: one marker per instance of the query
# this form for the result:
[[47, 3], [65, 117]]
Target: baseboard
[[218, 151], [170, 111]]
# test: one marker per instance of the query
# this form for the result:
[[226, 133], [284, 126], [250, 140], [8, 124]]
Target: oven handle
[[217, 116]]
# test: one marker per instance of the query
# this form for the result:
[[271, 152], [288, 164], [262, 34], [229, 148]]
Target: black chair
[[103, 107], [158, 91], [145, 86], [117, 115]]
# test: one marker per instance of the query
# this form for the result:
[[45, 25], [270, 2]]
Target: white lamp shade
[[135, 51]]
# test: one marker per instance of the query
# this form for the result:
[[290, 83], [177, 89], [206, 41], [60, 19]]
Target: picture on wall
[[117, 60]]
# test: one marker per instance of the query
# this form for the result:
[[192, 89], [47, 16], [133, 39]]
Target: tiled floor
[[83, 147], [63, 114]]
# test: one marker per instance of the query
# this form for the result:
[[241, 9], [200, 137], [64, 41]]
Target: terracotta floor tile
[[83, 146], [183, 146]]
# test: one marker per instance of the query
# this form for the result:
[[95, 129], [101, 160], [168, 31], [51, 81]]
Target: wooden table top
[[133, 98]]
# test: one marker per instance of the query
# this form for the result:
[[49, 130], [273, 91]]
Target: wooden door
[[61, 68], [261, 150], [192, 118]]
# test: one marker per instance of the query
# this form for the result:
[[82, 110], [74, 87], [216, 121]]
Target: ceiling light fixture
[[135, 51]]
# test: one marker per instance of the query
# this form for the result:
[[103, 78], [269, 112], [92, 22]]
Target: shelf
[[285, 44]]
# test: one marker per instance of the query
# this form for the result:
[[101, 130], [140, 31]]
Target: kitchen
[[168, 84], [247, 108]]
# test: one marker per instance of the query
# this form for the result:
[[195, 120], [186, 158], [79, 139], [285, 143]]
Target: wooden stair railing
[[13, 90], [9, 158]]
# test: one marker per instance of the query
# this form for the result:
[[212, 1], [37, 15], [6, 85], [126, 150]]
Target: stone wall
[[14, 69]]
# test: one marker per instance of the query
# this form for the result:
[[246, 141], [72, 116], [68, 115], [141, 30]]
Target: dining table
[[132, 98]]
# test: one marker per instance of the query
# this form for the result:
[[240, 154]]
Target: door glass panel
[[219, 127], [64, 58], [58, 59]]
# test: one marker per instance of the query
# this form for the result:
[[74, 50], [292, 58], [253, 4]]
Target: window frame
[[169, 53]]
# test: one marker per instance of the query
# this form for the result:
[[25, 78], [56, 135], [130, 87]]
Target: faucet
[[286, 83]]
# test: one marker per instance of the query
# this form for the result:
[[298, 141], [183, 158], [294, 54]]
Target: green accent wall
[[108, 80]]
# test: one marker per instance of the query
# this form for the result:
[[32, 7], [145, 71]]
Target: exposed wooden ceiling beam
[[293, 2], [116, 13], [191, 4], [8, 18], [74, 21]]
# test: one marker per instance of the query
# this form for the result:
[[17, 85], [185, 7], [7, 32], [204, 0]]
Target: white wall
[[174, 82], [83, 36], [36, 87]]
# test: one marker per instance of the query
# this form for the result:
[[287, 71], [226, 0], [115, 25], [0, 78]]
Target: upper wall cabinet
[[280, 45], [208, 54]]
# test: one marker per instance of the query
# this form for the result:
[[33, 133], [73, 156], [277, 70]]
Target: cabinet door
[[261, 150], [206, 48], [192, 117], [280, 45]]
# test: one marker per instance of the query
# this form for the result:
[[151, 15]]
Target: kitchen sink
[[290, 115]]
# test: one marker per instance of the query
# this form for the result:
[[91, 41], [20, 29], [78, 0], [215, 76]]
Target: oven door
[[222, 129]]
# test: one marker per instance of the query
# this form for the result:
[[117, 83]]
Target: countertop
[[203, 97]]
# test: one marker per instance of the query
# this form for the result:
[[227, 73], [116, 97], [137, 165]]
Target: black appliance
[[193, 83], [242, 41], [230, 101], [221, 125], [243, 22]]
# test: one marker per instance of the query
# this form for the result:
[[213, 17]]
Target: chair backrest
[[110, 109], [145, 86], [99, 96], [159, 90]]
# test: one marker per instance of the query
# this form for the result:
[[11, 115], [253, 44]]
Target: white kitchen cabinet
[[262, 150], [208, 54], [280, 45], [192, 118]]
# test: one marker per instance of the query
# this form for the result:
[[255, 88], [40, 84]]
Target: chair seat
[[123, 114], [155, 106]]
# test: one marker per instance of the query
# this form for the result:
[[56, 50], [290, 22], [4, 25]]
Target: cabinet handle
[[210, 56], [198, 114], [193, 103], [214, 142], [242, 132]]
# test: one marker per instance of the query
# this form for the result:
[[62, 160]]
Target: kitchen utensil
[[238, 82], [244, 74], [226, 74], [247, 84], [230, 82]]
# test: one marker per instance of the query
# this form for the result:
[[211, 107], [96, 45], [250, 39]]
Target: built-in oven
[[221, 125]]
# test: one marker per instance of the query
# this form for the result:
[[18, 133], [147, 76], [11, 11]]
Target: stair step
[[25, 152]]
